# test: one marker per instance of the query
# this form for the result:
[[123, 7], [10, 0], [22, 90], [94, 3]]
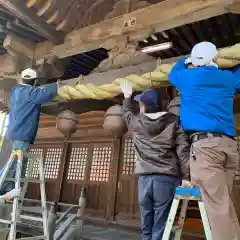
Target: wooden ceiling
[[66, 15]]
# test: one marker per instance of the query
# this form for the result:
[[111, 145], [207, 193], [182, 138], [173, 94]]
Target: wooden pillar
[[111, 202], [62, 171]]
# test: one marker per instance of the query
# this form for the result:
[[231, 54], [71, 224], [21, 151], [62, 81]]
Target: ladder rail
[[43, 198], [181, 219], [170, 220], [7, 166], [185, 195], [14, 214], [204, 217], [17, 206]]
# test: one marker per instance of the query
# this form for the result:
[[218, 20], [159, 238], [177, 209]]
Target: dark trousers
[[155, 194]]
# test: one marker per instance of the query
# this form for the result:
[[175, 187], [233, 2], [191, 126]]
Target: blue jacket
[[207, 95], [25, 105]]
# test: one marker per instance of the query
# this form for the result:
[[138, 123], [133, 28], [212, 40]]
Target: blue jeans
[[155, 195], [9, 185]]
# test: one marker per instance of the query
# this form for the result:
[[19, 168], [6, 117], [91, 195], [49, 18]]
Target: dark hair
[[152, 108]]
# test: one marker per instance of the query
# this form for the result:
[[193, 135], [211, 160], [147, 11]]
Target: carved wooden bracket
[[124, 54], [23, 52]]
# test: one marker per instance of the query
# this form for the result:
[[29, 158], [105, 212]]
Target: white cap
[[28, 74], [203, 54]]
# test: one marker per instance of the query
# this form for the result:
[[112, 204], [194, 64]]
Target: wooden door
[[52, 155], [75, 177], [127, 209], [88, 166]]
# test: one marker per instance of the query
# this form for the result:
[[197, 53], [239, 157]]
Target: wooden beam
[[111, 33], [7, 66], [174, 13], [19, 45], [110, 76], [20, 9]]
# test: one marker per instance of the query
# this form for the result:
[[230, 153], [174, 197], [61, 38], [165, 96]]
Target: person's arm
[[128, 113], [42, 95], [174, 75], [183, 151]]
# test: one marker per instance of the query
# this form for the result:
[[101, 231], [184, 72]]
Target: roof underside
[[10, 23], [222, 30]]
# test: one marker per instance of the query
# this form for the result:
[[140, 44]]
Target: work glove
[[126, 89], [59, 84]]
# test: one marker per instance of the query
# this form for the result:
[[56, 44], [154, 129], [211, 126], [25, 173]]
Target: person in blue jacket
[[206, 113], [25, 105]]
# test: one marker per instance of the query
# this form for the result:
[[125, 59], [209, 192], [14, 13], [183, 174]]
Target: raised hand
[[126, 89]]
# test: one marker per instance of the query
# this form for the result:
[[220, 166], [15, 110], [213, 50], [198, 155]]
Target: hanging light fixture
[[157, 47]]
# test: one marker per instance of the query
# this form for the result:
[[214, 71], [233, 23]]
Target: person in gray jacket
[[162, 157]]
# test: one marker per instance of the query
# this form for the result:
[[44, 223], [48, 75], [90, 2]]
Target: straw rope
[[227, 57]]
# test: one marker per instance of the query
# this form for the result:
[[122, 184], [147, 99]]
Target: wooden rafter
[[111, 34], [37, 23], [174, 13]]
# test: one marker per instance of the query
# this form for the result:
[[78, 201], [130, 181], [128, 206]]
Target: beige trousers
[[212, 165]]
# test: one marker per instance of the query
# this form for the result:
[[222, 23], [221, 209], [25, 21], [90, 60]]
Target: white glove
[[14, 193], [126, 89], [187, 61]]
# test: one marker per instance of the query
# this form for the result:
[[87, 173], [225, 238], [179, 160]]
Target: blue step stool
[[185, 194]]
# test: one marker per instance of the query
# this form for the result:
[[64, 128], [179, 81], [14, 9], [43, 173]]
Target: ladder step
[[5, 221], [32, 209], [34, 238], [4, 229], [30, 180], [187, 191], [27, 217]]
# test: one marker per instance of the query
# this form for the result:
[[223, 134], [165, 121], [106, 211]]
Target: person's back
[[206, 114], [25, 104], [21, 126], [156, 139], [207, 92], [162, 154]]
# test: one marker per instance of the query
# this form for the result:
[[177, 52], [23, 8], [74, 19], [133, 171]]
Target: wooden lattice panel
[[77, 164], [35, 170], [128, 157], [52, 162], [101, 164]]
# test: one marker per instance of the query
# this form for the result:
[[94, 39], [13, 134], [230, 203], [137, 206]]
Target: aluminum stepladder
[[185, 194], [16, 215]]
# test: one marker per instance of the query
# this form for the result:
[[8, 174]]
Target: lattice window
[[128, 157], [77, 164], [52, 162], [101, 164], [35, 170]]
